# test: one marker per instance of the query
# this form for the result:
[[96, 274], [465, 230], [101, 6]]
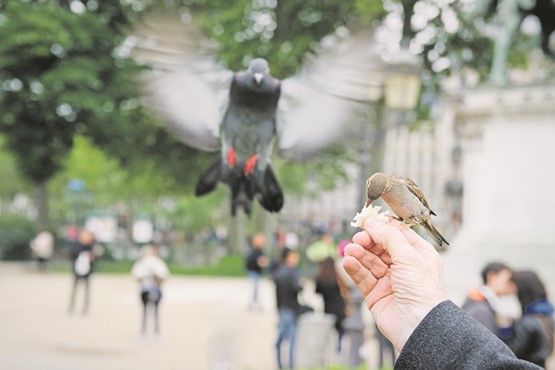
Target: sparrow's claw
[[396, 218], [404, 226], [231, 158], [250, 164]]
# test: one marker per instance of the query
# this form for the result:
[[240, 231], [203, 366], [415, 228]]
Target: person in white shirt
[[43, 248], [150, 271]]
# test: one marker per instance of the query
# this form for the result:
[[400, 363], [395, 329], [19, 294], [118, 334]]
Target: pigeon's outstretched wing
[[185, 84], [329, 97]]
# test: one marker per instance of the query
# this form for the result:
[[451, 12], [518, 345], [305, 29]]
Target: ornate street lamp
[[402, 84]]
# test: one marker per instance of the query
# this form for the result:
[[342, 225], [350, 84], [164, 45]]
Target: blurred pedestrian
[[43, 248], [72, 232], [150, 271], [288, 285], [82, 260], [483, 303], [531, 336], [322, 248], [255, 263], [327, 284], [385, 349]]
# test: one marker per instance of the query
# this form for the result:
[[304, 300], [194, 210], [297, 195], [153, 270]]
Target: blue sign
[[76, 185]]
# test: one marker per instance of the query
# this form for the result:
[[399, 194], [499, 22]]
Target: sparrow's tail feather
[[209, 179], [435, 233]]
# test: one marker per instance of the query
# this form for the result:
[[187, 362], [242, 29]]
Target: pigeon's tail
[[263, 186], [271, 196], [435, 233], [244, 188], [209, 179]]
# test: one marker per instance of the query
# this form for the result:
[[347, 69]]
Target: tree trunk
[[237, 233], [266, 223], [42, 204]]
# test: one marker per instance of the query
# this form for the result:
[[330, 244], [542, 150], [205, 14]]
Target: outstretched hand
[[399, 274]]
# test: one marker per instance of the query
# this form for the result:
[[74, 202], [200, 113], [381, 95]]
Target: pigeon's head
[[259, 69], [375, 186]]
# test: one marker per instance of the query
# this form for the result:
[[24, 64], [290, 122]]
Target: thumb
[[390, 238]]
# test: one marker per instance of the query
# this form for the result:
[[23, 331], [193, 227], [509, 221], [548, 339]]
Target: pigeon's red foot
[[250, 164], [231, 158]]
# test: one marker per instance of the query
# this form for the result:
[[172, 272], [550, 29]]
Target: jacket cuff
[[449, 338]]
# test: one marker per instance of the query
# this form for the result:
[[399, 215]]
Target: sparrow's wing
[[184, 83], [328, 98], [414, 189]]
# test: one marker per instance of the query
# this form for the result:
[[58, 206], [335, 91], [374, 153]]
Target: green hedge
[[15, 234]]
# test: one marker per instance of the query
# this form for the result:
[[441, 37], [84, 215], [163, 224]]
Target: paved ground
[[204, 324]]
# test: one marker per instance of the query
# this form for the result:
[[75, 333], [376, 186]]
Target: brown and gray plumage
[[405, 199]]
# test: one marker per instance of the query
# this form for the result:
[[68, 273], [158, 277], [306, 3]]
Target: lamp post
[[398, 94]]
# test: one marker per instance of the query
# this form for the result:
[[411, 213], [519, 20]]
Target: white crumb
[[368, 212]]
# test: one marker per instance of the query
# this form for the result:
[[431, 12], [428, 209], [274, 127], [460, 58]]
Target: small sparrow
[[404, 198]]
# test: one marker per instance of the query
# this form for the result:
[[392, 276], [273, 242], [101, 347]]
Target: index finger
[[411, 236], [389, 237], [363, 238]]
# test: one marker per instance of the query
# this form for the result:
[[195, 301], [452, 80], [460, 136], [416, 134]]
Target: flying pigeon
[[242, 113], [404, 198]]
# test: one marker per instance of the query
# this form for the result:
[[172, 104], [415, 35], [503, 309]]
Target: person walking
[[43, 248], [82, 260], [482, 303], [327, 285], [150, 271], [287, 280], [255, 263], [531, 336]]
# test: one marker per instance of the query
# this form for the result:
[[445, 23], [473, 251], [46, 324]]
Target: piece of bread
[[368, 212]]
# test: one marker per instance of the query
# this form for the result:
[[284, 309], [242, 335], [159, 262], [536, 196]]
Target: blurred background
[[79, 148]]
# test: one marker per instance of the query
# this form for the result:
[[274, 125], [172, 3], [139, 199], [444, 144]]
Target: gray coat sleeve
[[448, 338]]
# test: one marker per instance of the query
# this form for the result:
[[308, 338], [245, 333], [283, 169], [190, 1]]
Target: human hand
[[263, 261], [399, 274]]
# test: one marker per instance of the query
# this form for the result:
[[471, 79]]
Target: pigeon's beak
[[258, 78]]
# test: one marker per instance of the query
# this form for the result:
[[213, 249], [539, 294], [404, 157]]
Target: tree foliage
[[55, 66], [62, 77]]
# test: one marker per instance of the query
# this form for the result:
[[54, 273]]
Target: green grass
[[227, 266]]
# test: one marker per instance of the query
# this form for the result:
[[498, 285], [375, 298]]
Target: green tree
[[12, 183], [61, 75], [56, 73], [139, 187]]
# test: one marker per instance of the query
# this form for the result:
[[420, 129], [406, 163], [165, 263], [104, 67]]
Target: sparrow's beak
[[368, 202], [258, 78]]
